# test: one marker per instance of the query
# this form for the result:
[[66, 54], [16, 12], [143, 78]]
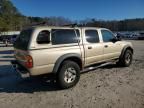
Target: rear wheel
[[126, 59], [68, 75]]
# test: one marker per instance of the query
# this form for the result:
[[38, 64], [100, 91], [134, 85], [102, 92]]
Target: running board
[[95, 67]]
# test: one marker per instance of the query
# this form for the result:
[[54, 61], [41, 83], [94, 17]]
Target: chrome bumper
[[20, 69]]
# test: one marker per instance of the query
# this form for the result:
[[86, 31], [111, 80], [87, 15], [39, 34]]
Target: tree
[[10, 17]]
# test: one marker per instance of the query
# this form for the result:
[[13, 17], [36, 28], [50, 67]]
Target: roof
[[64, 27]]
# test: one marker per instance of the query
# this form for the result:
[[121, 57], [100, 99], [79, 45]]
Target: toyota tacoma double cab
[[67, 51]]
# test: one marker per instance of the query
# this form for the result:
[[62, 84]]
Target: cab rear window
[[23, 39]]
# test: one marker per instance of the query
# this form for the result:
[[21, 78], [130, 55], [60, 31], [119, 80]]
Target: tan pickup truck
[[66, 51]]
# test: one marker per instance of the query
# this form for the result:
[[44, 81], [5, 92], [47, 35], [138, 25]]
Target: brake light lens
[[29, 61]]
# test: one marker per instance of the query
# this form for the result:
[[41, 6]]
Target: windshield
[[22, 40]]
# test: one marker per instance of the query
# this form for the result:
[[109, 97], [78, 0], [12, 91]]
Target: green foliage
[[123, 25], [10, 18]]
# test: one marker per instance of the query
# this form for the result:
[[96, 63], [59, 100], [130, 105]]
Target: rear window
[[22, 40], [64, 36]]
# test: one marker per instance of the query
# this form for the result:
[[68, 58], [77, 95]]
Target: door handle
[[89, 47], [106, 46]]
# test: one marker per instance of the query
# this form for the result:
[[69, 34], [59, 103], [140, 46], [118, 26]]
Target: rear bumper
[[20, 69]]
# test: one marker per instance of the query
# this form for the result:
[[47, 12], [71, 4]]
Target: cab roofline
[[64, 27]]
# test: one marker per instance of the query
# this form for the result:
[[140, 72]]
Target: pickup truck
[[66, 51]]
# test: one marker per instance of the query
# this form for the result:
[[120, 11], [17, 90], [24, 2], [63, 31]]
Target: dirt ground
[[106, 87]]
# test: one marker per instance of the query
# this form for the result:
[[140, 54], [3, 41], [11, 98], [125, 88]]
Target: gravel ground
[[106, 87]]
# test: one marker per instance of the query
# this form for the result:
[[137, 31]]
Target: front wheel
[[126, 59], [68, 75]]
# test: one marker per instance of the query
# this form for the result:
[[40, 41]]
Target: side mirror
[[118, 38], [114, 40]]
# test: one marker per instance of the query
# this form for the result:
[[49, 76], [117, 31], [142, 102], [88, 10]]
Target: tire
[[126, 59], [68, 75]]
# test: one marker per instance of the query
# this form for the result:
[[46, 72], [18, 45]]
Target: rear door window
[[92, 36]]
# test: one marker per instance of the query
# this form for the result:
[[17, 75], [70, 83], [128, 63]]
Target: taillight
[[29, 61]]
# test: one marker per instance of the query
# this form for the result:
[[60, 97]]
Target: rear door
[[93, 47]]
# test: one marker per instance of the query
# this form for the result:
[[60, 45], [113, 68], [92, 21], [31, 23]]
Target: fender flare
[[62, 58], [124, 49]]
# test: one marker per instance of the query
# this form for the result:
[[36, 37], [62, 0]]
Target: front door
[[111, 49]]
